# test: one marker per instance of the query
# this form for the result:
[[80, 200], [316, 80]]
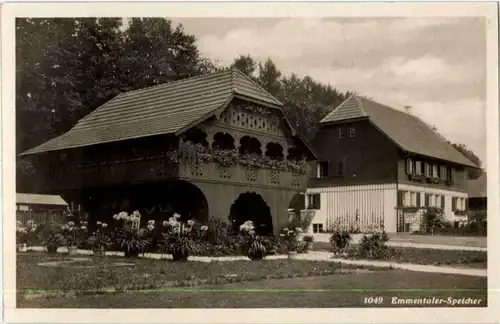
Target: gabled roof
[[408, 132], [36, 199], [477, 188], [169, 108]]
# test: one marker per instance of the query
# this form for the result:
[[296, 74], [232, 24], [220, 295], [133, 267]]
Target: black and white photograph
[[270, 161]]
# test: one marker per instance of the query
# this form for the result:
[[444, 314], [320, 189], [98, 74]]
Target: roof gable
[[162, 109], [408, 132]]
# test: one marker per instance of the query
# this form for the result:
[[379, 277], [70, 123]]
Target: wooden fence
[[42, 217]]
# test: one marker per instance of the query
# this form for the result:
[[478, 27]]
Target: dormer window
[[341, 133], [352, 132]]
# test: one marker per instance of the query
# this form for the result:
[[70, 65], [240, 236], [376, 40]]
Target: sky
[[435, 65]]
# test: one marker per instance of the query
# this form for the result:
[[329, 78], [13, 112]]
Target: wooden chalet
[[215, 146]]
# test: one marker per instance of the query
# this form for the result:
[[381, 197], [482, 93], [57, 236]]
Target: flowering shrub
[[100, 240], [340, 238], [128, 234], [373, 245], [253, 243], [290, 238], [52, 237], [72, 233], [26, 235], [179, 238]]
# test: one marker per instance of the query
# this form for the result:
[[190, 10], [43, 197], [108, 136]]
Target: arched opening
[[251, 206], [223, 141], [274, 151], [196, 136], [250, 145]]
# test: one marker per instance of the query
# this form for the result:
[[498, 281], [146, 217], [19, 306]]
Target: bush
[[373, 246], [340, 240]]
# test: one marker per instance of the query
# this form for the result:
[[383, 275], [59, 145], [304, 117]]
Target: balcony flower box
[[450, 182], [416, 177]]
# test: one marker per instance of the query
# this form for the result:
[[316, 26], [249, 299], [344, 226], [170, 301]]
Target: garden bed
[[79, 279]]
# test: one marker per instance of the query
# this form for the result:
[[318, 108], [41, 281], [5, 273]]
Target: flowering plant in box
[[256, 249], [25, 235], [129, 235], [179, 238]]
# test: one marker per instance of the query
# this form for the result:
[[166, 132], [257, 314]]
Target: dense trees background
[[66, 68]]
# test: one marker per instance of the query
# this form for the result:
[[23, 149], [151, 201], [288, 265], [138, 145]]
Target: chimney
[[408, 110]]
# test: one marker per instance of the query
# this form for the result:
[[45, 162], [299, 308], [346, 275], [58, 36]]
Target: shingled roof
[[478, 188], [36, 199], [408, 132], [169, 108]]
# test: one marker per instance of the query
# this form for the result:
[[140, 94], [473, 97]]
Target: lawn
[[340, 290], [471, 259], [91, 275], [472, 241]]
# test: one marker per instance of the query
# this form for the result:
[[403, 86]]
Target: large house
[[384, 167], [216, 146]]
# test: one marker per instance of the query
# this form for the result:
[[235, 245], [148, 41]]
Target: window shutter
[[418, 199], [442, 176], [331, 166], [442, 201], [408, 166], [400, 198], [317, 201], [453, 203], [427, 198], [466, 203]]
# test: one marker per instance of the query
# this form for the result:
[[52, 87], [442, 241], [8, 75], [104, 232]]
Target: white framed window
[[418, 167], [434, 170], [438, 201], [314, 201], [432, 200], [317, 228], [443, 172]]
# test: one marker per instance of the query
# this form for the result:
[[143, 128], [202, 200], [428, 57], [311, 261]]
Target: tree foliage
[[469, 154]]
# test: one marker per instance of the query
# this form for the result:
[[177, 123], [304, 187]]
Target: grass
[[320, 291], [471, 241], [471, 259], [80, 279]]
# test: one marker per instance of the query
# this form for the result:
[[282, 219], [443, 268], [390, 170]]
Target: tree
[[473, 173], [269, 77], [246, 64]]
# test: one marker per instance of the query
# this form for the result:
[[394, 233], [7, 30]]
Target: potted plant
[[72, 235], [132, 239], [53, 240], [291, 240], [254, 245], [179, 238], [308, 240], [100, 240]]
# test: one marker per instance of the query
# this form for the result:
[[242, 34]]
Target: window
[[454, 203], [352, 132], [434, 170], [442, 172], [427, 200], [432, 200], [427, 168], [438, 201], [418, 167], [322, 170], [341, 133], [442, 202], [317, 228], [451, 174], [314, 201], [418, 202], [406, 198]]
